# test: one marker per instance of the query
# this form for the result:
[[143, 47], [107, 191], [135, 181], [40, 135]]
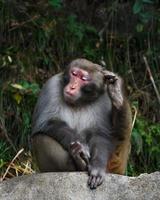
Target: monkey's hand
[[96, 176], [80, 154], [115, 91]]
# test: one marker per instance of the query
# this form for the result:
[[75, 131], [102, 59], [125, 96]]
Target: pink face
[[78, 78]]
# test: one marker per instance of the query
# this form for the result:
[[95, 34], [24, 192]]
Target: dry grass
[[18, 166]]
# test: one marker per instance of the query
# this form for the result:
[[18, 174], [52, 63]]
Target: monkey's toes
[[96, 178], [95, 181]]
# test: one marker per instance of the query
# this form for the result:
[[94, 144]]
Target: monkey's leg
[[50, 155], [118, 161], [101, 149]]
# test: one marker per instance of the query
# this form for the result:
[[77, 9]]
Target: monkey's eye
[[86, 78], [74, 73]]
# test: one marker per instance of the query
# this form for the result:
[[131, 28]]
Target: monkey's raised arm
[[121, 112]]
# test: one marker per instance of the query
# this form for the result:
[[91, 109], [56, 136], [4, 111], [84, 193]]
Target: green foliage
[[145, 147], [144, 12], [139, 5], [55, 3], [79, 33], [5, 154], [17, 101]]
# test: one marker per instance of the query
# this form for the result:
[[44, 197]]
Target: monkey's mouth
[[69, 98]]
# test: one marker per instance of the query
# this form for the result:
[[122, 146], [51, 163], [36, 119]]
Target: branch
[[9, 166], [151, 78]]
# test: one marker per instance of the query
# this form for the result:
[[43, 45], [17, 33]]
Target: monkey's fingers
[[73, 144], [109, 76], [84, 157], [111, 79], [75, 148], [79, 149]]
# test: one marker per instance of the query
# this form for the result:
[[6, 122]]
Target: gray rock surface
[[72, 186]]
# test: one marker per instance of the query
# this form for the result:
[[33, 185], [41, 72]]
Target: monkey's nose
[[73, 85]]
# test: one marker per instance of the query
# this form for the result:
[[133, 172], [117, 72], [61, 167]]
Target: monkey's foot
[[80, 154], [96, 177], [114, 88]]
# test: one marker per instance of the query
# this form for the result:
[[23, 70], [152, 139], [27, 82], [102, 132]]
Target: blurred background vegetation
[[39, 37]]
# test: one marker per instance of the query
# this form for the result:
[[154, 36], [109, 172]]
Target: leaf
[[10, 59], [17, 86], [26, 87], [18, 98], [139, 27], [145, 17], [55, 3], [137, 6]]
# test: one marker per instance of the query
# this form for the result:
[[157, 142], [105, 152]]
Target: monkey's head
[[83, 82]]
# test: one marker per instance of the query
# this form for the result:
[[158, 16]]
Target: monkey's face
[[81, 86], [78, 78]]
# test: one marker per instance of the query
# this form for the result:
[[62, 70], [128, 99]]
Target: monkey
[[82, 122]]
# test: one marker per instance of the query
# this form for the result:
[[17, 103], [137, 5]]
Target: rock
[[73, 186]]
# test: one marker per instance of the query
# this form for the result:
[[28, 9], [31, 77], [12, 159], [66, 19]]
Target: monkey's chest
[[89, 117]]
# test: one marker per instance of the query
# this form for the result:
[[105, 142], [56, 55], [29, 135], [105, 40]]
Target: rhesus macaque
[[82, 122]]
